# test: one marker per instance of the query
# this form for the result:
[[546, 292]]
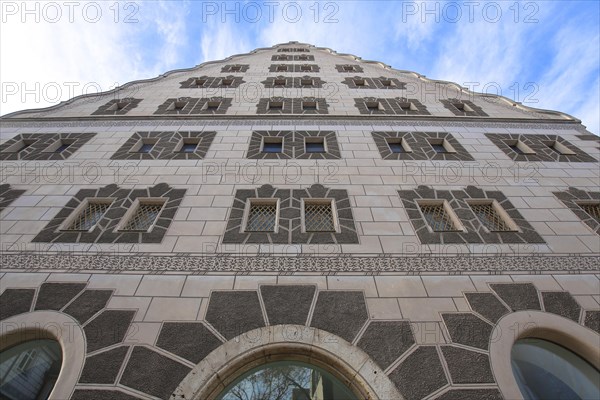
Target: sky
[[544, 54]]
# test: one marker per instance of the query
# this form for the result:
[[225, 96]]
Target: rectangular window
[[406, 106], [146, 148], [373, 105], [272, 145], [59, 146], [305, 68], [275, 105], [490, 216], [282, 68], [235, 68], [309, 105], [188, 147], [226, 81], [462, 107], [593, 209], [519, 147], [441, 146], [386, 82], [261, 215], [314, 145], [87, 215], [398, 145], [359, 82], [199, 82], [318, 215], [19, 146], [142, 215], [279, 81], [306, 81], [559, 148], [439, 216], [348, 68], [212, 105]]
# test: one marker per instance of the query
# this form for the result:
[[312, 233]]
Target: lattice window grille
[[318, 217], [490, 218], [592, 209], [87, 218], [262, 217], [437, 217], [143, 218]]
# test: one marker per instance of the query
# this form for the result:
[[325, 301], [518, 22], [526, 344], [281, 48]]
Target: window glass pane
[[489, 217], [516, 149], [146, 148], [285, 380], [262, 218], [315, 147], [188, 147], [272, 147], [89, 216], [545, 370], [318, 218], [29, 370], [144, 217], [437, 218], [396, 147], [61, 148], [439, 148]]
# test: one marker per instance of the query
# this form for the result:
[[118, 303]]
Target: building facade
[[364, 231]]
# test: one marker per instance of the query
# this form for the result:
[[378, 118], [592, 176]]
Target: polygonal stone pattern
[[212, 82], [235, 68], [40, 142], [165, 145], [374, 83], [572, 197], [54, 296], [420, 374], [152, 373], [468, 329], [518, 296], [294, 57], [302, 68], [190, 340], [487, 305], [475, 111], [8, 195], [104, 367], [292, 106], [107, 329], [475, 232], [471, 394], [419, 143], [342, 313], [87, 304], [118, 106], [293, 82], [294, 145], [540, 145], [234, 312], [94, 394], [349, 68], [592, 320], [194, 106], [287, 304], [15, 301], [386, 341], [561, 303], [105, 230], [467, 366], [390, 106]]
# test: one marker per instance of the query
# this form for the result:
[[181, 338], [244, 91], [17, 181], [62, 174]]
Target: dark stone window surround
[[294, 57], [289, 224], [293, 82], [477, 111], [164, 148], [213, 82], [8, 195], [294, 68], [104, 231], [229, 67], [374, 83], [293, 145], [194, 106], [420, 146], [355, 68], [537, 144], [41, 142], [390, 106], [572, 197], [292, 106], [129, 104], [475, 231]]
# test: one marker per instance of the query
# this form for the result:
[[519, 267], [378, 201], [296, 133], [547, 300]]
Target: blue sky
[[544, 54]]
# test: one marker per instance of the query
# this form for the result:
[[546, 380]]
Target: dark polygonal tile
[[420, 374], [468, 329], [54, 296], [153, 373], [561, 303], [103, 367], [287, 304], [15, 301], [385, 341], [518, 296], [86, 394], [592, 320], [88, 304], [107, 329], [467, 366], [190, 340], [471, 394], [342, 313], [488, 305], [233, 313]]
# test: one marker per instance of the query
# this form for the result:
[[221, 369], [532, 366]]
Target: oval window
[[287, 380], [545, 370], [29, 370]]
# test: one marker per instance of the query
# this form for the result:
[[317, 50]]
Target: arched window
[[29, 370], [545, 370], [287, 380]]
